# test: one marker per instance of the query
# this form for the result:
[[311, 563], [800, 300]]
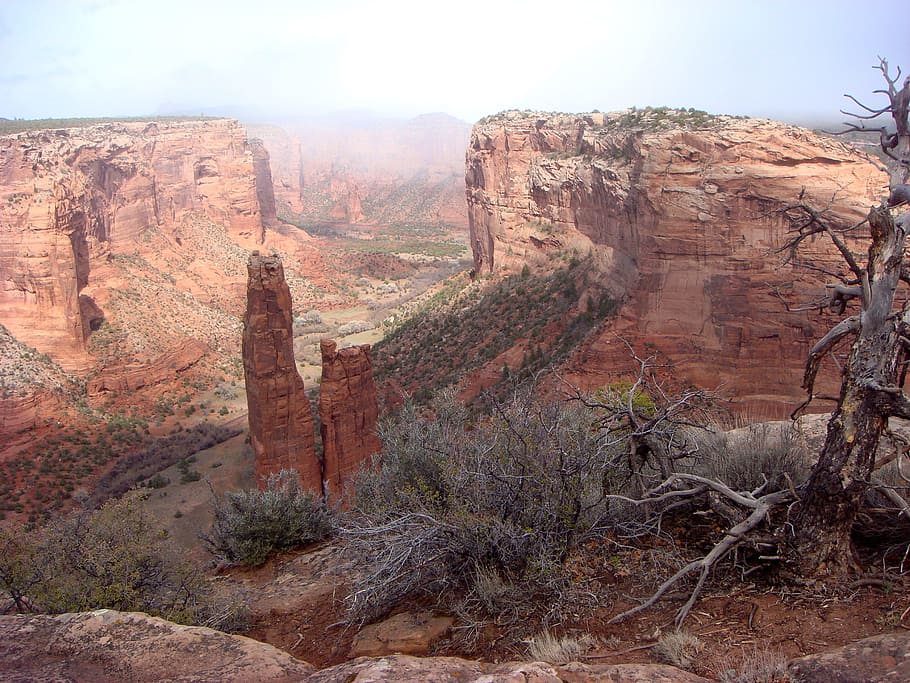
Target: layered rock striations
[[33, 389], [281, 420], [69, 198], [680, 212], [348, 412]]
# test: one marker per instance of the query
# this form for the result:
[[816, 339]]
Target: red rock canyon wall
[[681, 220], [69, 197]]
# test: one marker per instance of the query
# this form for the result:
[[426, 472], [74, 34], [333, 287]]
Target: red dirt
[[731, 619]]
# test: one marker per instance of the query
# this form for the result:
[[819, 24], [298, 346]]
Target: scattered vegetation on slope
[[23, 369], [462, 328], [114, 558], [60, 467], [157, 455]]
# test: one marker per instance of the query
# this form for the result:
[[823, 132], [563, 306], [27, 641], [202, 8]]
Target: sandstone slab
[[407, 633], [879, 659], [108, 646]]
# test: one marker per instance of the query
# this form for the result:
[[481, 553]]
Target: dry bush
[[114, 557], [679, 648], [450, 509], [745, 458], [545, 647], [491, 591]]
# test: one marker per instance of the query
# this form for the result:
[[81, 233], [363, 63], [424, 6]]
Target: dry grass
[[679, 648], [758, 665], [545, 647]]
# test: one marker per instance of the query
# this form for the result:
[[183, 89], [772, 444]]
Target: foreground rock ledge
[[107, 646]]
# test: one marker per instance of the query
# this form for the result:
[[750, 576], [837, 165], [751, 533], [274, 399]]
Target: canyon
[[72, 198], [123, 247], [128, 250], [681, 213]]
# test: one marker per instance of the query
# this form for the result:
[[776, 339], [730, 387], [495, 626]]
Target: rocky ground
[[121, 646]]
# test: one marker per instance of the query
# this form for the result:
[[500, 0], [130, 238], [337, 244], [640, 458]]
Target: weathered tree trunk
[[838, 481], [869, 392]]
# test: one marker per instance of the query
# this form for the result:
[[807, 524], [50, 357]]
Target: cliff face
[[348, 412], [281, 420], [265, 191], [70, 198], [678, 210]]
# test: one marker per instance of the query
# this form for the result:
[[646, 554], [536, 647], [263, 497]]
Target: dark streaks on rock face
[[679, 211], [265, 190], [71, 198]]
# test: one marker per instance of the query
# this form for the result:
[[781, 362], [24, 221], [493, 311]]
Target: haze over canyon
[[391, 342]]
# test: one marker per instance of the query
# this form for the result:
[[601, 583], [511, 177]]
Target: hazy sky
[[466, 57]]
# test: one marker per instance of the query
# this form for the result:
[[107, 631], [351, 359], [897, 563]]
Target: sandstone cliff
[[678, 210], [33, 389], [281, 420], [348, 412], [265, 190], [71, 198]]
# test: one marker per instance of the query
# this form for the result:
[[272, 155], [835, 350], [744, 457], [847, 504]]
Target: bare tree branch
[[705, 564], [823, 346]]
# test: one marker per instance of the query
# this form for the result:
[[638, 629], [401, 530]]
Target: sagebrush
[[453, 506], [250, 525], [115, 557]]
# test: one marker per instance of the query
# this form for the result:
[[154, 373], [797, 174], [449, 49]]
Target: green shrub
[[159, 481], [251, 525], [114, 558]]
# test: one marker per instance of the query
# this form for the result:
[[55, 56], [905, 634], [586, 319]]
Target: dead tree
[[879, 327]]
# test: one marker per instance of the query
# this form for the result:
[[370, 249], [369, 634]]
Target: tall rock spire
[[281, 420]]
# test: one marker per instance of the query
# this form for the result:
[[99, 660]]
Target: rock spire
[[281, 420]]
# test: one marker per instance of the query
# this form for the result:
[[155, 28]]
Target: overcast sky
[[261, 58]]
